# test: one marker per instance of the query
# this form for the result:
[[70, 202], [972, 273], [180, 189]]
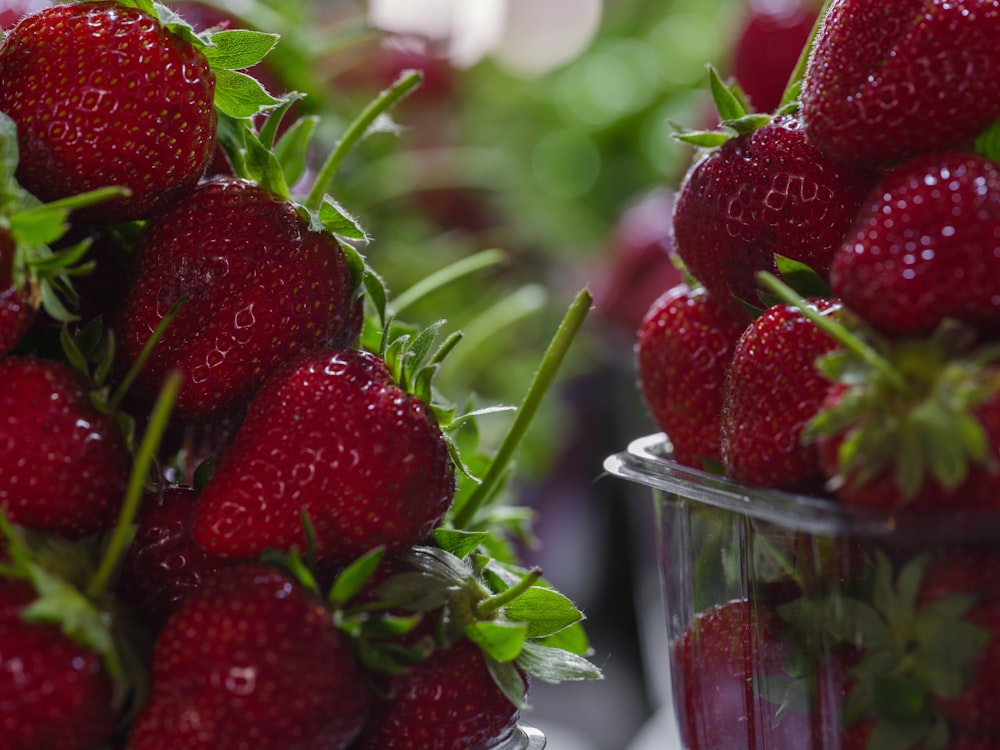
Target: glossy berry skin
[[54, 692], [63, 463], [261, 288], [163, 565], [771, 390], [449, 701], [766, 192], [333, 436], [93, 88], [16, 311], [252, 661], [888, 81], [926, 246], [683, 349]]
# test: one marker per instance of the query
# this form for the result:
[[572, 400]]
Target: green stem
[[447, 275], [791, 92], [133, 372], [551, 361], [121, 536], [491, 604], [837, 332], [356, 131]]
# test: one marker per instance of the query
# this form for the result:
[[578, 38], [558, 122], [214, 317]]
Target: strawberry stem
[[489, 605], [793, 88], [837, 332], [453, 272], [385, 101], [549, 366], [121, 536], [133, 372]]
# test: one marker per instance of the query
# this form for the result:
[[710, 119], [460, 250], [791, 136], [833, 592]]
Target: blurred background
[[543, 130]]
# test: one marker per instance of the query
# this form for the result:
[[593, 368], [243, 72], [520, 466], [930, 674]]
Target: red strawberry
[[925, 247], [249, 661], [768, 47], [164, 565], [63, 463], [771, 390], [720, 666], [683, 350], [448, 701], [16, 309], [261, 287], [769, 191], [93, 87], [887, 81], [331, 435], [54, 693]]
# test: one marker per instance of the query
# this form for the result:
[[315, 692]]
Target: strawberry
[[771, 389], [767, 48], [924, 247], [335, 437], [683, 349], [54, 692], [16, 309], [763, 192], [448, 701], [163, 564], [252, 660], [261, 286], [64, 463], [88, 120], [889, 81], [720, 664]]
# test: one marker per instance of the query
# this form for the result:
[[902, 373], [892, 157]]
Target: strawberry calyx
[[30, 228], [905, 406], [735, 115]]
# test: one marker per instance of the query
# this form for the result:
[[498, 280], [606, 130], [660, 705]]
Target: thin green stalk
[[491, 604], [544, 375], [356, 131], [133, 372], [836, 331], [447, 275], [121, 536], [791, 92]]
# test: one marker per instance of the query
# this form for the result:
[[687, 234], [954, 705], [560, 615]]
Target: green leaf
[[336, 220], [457, 542], [240, 96], [704, 138], [555, 665], [573, 639], [236, 49], [727, 103], [988, 142], [262, 166], [291, 149], [499, 640], [747, 123], [353, 578], [802, 277], [8, 150], [509, 680], [545, 611]]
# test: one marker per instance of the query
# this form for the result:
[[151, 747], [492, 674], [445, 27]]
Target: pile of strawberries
[[236, 512], [838, 336]]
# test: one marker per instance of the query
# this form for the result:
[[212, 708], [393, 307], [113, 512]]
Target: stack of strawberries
[[839, 336], [236, 513]]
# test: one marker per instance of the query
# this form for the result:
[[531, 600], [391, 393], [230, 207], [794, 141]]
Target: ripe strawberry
[[333, 436], [771, 390], [261, 287], [888, 81], [683, 349], [764, 192], [54, 692], [448, 701], [720, 664], [163, 564], [767, 48], [252, 660], [93, 87], [924, 247], [63, 463]]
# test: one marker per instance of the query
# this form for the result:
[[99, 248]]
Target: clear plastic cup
[[798, 623]]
